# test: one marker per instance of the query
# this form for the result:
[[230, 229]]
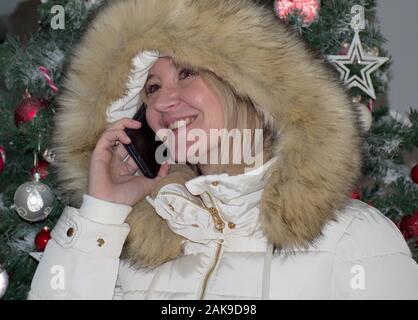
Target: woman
[[282, 230]]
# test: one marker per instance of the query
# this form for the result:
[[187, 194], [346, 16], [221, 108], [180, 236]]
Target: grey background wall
[[398, 23], [8, 6]]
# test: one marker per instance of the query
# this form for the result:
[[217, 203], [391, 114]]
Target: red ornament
[[344, 49], [409, 226], [2, 158], [41, 168], [414, 173], [42, 239], [28, 109], [356, 194], [370, 105], [309, 9]]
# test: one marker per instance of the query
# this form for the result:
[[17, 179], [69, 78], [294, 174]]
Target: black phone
[[143, 146]]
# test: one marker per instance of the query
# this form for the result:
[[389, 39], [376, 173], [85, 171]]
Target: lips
[[174, 124]]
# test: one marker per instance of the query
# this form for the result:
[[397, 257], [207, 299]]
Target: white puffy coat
[[362, 255]]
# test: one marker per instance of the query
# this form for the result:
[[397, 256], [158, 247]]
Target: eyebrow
[[150, 76], [175, 64]]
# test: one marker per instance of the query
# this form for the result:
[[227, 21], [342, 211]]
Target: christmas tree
[[345, 35]]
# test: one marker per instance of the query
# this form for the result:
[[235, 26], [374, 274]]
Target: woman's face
[[179, 100]]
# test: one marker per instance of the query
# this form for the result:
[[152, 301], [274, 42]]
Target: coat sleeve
[[373, 261], [81, 259]]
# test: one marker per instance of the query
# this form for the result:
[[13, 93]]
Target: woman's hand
[[112, 179]]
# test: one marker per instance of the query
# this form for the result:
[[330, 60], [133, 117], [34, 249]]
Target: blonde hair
[[239, 113]]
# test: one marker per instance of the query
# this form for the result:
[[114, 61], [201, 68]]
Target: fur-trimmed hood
[[302, 101]]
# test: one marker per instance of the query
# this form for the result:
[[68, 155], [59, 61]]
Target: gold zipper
[[183, 197], [219, 225], [205, 282]]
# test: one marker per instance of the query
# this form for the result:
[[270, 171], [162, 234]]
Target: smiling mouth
[[181, 123]]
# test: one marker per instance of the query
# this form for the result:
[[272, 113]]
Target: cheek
[[220, 116], [215, 115], [152, 119], [212, 110]]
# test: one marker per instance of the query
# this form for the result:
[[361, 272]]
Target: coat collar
[[236, 199], [228, 187]]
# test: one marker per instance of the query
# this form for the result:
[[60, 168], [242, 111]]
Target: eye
[[152, 88], [186, 73]]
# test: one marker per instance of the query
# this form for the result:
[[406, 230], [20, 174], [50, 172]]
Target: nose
[[167, 99]]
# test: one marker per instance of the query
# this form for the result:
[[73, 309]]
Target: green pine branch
[[19, 63]]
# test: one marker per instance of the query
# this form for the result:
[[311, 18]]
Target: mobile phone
[[143, 145]]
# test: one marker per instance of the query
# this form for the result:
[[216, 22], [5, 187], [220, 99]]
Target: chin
[[181, 155]]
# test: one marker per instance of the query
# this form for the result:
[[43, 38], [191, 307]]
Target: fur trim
[[245, 44], [150, 241]]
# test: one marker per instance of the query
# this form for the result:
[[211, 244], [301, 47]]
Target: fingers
[[116, 132], [163, 172], [122, 159], [126, 158], [109, 137], [132, 166], [124, 123]]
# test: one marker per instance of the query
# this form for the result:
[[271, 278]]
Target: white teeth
[[180, 123]]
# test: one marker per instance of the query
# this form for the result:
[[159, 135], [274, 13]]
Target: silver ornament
[[356, 55], [4, 281], [49, 155], [33, 200]]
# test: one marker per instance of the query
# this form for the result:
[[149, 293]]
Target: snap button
[[215, 183], [195, 225], [70, 232], [231, 225], [100, 242]]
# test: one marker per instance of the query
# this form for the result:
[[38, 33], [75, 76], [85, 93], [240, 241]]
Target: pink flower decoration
[[308, 8]]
